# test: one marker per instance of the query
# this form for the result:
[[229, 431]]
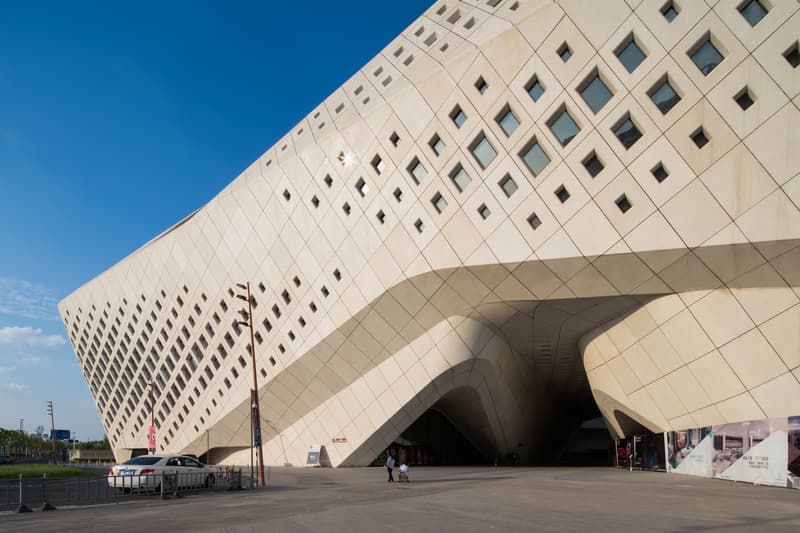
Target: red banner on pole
[[151, 439]]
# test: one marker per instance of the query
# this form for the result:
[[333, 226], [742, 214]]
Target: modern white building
[[520, 215]]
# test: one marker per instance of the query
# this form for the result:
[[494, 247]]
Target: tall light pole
[[151, 431], [255, 418], [52, 429]]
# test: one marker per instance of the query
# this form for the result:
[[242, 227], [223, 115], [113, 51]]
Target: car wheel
[[209, 481]]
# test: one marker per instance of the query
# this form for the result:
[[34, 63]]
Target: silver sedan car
[[148, 472]]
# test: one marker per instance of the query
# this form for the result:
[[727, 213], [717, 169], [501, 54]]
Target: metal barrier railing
[[24, 494]]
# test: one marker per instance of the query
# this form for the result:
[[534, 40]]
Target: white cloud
[[6, 369], [28, 300], [32, 360], [29, 336], [16, 387]]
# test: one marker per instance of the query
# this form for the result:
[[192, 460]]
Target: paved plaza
[[448, 499]]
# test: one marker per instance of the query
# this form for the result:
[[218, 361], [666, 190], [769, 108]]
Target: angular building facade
[[521, 214]]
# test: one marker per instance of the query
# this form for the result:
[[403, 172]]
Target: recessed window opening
[[398, 52], [563, 126], [508, 185], [325, 291], [313, 307], [315, 201], [659, 172], [444, 47], [378, 164], [592, 164], [291, 335], [419, 226], [362, 187], [457, 116], [753, 11], [670, 11], [436, 144], [663, 95], [481, 85], [534, 157], [595, 92], [705, 55], [339, 109], [627, 132], [409, 60], [744, 99], [296, 281], [420, 31], [328, 180], [630, 53], [431, 39], [484, 211], [394, 139], [378, 72], [534, 221], [483, 151], [514, 6], [281, 348], [470, 23], [439, 203], [792, 55], [562, 194], [272, 361], [417, 171], [699, 137], [381, 216], [346, 208], [507, 120], [564, 52], [534, 88], [358, 90], [337, 274], [398, 195], [386, 81], [287, 195], [452, 19], [623, 203], [276, 311], [442, 9], [460, 178], [267, 325]]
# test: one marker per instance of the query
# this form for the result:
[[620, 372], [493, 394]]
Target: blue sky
[[117, 119]]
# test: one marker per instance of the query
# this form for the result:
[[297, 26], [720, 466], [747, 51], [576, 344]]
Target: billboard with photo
[[793, 459], [690, 451], [754, 451]]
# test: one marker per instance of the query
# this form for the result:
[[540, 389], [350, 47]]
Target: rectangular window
[[439, 203], [457, 116], [481, 85], [535, 89], [562, 194], [705, 55], [660, 172], [417, 171], [792, 55], [592, 164], [534, 157], [595, 92], [630, 54], [563, 126], [534, 221], [663, 95], [460, 178], [508, 185], [670, 11], [508, 121], [436, 144], [699, 137], [627, 132], [378, 164], [564, 52], [623, 203], [483, 151], [362, 187], [484, 211], [744, 99], [753, 11]]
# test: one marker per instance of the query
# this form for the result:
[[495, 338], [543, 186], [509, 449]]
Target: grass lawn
[[13, 471]]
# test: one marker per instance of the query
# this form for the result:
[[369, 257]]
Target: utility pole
[[52, 429], [255, 418], [151, 431]]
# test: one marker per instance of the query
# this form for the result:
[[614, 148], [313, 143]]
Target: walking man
[[390, 466]]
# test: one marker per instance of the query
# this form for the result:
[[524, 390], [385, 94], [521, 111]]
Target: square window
[[394, 139], [705, 55], [629, 54], [337, 274], [484, 211], [534, 221], [753, 11], [660, 172], [564, 52], [508, 121], [457, 116], [481, 85], [700, 138], [437, 144], [328, 180], [623, 203], [439, 203], [460, 178], [346, 208], [534, 157], [670, 11], [287, 195], [286, 297], [535, 89], [417, 171], [381, 216], [398, 195], [792, 55], [627, 132], [595, 92], [315, 201], [313, 307], [563, 126], [362, 187], [663, 95], [325, 292], [296, 281], [483, 151], [562, 194], [419, 226], [744, 99], [378, 164], [593, 164], [508, 185]]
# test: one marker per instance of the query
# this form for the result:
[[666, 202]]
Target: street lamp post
[[52, 429], [151, 431], [255, 418]]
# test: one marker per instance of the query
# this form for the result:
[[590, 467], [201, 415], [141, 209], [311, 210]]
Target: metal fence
[[45, 493]]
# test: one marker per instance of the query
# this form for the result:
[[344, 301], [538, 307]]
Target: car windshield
[[143, 460]]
